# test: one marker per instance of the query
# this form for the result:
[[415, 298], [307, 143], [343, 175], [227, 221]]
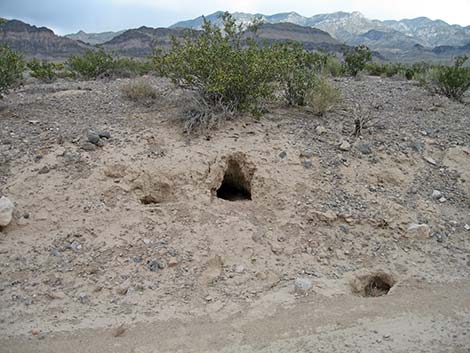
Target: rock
[[308, 153], [239, 269], [327, 217], [93, 138], [83, 298], [155, 265], [75, 245], [307, 164], [276, 248], [436, 194], [302, 286], [320, 130], [87, 146], [421, 230], [467, 227], [35, 331], [442, 200], [104, 134], [44, 170], [173, 262], [365, 148], [283, 154], [6, 211], [56, 295], [345, 146], [430, 160]]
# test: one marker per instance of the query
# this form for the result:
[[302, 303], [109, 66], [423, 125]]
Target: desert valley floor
[[279, 234]]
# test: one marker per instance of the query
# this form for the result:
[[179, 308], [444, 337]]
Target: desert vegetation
[[11, 69]]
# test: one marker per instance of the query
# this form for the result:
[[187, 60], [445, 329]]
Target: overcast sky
[[66, 16]]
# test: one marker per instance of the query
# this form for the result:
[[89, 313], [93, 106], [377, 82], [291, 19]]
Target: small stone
[[421, 230], [436, 194], [365, 148], [307, 164], [344, 228], [308, 153], [239, 269], [56, 295], [155, 265], [302, 286], [173, 262], [55, 253], [283, 154], [430, 160], [147, 241], [104, 134], [35, 331], [93, 138], [44, 170], [467, 227], [87, 146], [320, 130], [442, 200], [6, 211], [276, 248], [75, 245], [345, 146], [83, 298]]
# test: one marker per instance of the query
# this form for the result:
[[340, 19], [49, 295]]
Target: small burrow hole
[[374, 285], [148, 200], [236, 186]]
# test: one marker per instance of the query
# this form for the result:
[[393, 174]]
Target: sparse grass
[[139, 91], [323, 97]]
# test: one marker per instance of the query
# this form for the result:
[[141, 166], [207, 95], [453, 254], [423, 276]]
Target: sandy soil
[[127, 247]]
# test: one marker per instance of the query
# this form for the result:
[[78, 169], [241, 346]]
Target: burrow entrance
[[236, 184], [374, 285]]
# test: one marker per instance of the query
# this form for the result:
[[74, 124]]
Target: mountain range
[[404, 40]]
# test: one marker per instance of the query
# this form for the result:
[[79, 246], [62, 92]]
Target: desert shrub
[[355, 59], [297, 70], [43, 70], [139, 91], [93, 64], [220, 68], [129, 67], [323, 97], [452, 81], [11, 69]]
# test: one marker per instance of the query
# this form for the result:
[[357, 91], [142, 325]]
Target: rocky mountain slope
[[94, 38], [143, 40], [353, 28], [39, 42]]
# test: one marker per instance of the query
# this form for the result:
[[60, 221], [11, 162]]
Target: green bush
[[43, 70], [219, 68], [452, 81], [323, 97], [355, 59], [11, 69], [93, 64], [297, 70], [129, 67]]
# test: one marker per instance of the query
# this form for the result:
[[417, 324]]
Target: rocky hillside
[[353, 29], [94, 38], [39, 42], [143, 40]]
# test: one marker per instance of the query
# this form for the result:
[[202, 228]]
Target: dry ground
[[130, 239]]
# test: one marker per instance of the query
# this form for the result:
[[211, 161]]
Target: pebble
[[430, 160], [436, 194], [467, 227], [442, 200], [302, 285], [308, 153], [83, 297], [365, 148], [104, 134], [75, 245], [421, 230], [283, 154], [320, 130], [307, 164], [155, 265], [345, 146], [44, 170], [6, 211], [93, 138], [87, 146]]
